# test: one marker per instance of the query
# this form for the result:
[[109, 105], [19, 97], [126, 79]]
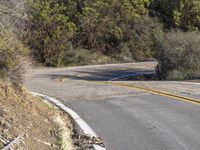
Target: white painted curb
[[81, 123], [192, 83]]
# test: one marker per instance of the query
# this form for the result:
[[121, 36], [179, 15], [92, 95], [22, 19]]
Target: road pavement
[[126, 119]]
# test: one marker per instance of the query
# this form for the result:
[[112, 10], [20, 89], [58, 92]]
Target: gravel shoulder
[[86, 83], [72, 90], [71, 84]]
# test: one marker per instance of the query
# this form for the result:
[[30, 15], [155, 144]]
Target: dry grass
[[35, 121]]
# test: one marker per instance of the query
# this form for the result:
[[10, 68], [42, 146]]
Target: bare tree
[[13, 15]]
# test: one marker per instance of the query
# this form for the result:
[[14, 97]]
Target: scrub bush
[[179, 56]]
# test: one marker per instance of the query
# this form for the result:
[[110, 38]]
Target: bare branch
[[16, 140]]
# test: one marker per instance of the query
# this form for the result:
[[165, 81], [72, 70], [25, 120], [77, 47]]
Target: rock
[[2, 112]]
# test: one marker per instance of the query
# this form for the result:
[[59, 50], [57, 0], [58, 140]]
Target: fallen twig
[[3, 141], [46, 143], [17, 141]]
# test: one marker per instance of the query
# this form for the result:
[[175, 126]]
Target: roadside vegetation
[[179, 56], [81, 32], [178, 53], [72, 32]]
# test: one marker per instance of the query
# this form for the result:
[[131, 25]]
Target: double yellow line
[[152, 91]]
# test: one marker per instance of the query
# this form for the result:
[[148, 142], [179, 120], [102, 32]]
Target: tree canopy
[[181, 14]]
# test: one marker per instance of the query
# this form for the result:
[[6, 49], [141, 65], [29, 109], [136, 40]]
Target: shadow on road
[[106, 75]]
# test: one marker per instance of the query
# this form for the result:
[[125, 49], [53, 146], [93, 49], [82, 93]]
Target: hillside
[[26, 122]]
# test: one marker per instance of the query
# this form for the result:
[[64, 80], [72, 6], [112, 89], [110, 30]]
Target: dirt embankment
[[26, 122]]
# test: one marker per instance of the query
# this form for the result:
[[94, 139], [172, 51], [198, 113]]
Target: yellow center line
[[158, 92]]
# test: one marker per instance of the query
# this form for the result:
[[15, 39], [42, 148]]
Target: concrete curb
[[81, 123], [192, 83]]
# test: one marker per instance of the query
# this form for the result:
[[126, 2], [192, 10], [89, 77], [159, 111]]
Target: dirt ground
[[26, 122]]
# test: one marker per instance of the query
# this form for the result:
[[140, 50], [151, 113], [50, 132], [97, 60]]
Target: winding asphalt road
[[125, 119]]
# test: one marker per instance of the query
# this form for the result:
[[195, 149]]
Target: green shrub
[[85, 57], [119, 29], [143, 37], [179, 56], [50, 32], [182, 14], [77, 56], [100, 23]]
